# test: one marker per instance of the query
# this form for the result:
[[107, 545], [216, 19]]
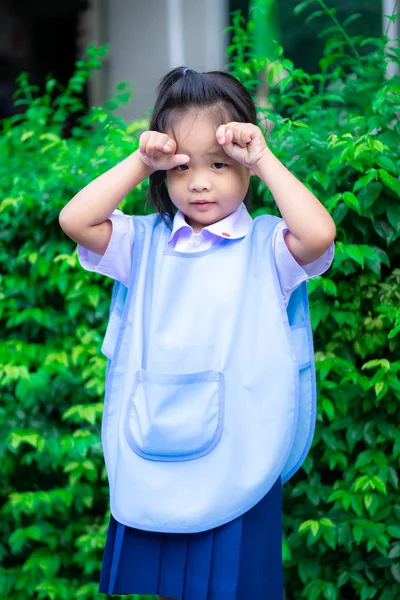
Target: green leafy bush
[[338, 131]]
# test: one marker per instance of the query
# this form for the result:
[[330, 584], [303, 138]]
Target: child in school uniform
[[210, 385]]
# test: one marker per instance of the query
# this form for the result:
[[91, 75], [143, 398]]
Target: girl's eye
[[219, 166], [181, 168]]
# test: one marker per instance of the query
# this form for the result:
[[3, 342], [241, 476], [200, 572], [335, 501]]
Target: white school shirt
[[116, 261]]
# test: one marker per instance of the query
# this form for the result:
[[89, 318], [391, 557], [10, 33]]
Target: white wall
[[389, 7], [149, 37]]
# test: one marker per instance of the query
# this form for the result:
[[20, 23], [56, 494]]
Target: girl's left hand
[[244, 142]]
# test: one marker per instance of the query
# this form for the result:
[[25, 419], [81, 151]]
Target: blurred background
[[338, 134], [148, 38]]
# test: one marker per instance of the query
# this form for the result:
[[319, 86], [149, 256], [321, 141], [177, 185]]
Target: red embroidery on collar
[[226, 234]]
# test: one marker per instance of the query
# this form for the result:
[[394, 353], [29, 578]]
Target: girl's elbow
[[322, 241], [323, 233], [333, 232], [328, 235], [63, 220]]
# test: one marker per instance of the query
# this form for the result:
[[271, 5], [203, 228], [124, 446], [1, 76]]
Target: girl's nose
[[199, 183]]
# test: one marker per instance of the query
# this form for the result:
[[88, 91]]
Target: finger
[[232, 133], [157, 142], [245, 136], [229, 147], [178, 159], [230, 136], [162, 147], [237, 132], [220, 134], [151, 147], [227, 137], [144, 138], [242, 132], [169, 146], [149, 150], [165, 143]]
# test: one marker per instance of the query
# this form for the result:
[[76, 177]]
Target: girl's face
[[211, 185]]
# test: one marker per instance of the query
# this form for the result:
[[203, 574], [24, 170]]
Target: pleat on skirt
[[241, 560]]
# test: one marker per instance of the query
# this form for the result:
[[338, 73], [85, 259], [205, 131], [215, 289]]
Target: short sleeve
[[116, 261], [290, 273]]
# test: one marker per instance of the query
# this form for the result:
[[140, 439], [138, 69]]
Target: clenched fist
[[157, 152], [244, 142]]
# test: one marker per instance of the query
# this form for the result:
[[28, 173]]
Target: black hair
[[183, 89]]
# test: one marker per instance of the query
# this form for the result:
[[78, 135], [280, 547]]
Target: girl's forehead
[[199, 143], [197, 121], [194, 132]]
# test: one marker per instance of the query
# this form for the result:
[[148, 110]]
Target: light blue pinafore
[[210, 386]]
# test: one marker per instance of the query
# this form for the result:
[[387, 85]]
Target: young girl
[[210, 387]]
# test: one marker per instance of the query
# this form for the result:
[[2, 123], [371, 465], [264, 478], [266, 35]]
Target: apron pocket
[[175, 417]]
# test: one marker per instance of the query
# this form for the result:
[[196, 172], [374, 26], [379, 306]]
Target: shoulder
[[121, 221], [146, 218], [149, 222], [266, 224], [149, 229]]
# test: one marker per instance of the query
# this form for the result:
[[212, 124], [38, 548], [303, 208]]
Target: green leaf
[[304, 526], [328, 408], [393, 17], [390, 181], [43, 560], [351, 201], [329, 286], [384, 230], [358, 533], [393, 215], [301, 6], [334, 98], [34, 439], [26, 135], [330, 592], [386, 163], [378, 362], [326, 522], [355, 253], [368, 498], [395, 551], [393, 332], [343, 578], [362, 182], [379, 484], [369, 194], [322, 178], [394, 531], [314, 528], [395, 571]]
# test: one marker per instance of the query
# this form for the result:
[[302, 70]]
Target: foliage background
[[338, 131]]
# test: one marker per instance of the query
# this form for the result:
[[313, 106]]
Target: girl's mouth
[[201, 205]]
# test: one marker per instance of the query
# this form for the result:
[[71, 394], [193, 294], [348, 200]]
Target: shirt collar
[[232, 227]]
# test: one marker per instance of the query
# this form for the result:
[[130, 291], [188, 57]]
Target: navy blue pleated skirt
[[240, 560]]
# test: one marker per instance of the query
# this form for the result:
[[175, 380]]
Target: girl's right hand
[[157, 152]]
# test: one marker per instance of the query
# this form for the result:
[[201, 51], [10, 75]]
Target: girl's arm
[[311, 228], [85, 219]]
